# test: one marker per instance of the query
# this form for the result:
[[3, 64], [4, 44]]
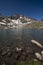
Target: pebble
[[18, 49]]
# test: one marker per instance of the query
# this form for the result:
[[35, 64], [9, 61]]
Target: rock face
[[14, 21]]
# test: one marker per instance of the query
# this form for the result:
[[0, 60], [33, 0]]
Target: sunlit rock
[[38, 56], [37, 43], [42, 52]]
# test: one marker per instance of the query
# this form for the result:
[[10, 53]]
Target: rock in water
[[18, 49], [37, 43]]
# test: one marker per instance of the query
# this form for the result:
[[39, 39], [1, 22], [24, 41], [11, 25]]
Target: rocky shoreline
[[10, 55]]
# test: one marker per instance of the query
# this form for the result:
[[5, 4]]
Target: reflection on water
[[20, 36]]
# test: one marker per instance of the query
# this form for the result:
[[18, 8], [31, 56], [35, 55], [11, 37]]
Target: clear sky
[[31, 8]]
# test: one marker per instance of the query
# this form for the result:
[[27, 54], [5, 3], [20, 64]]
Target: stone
[[37, 43], [38, 56], [4, 53], [18, 49], [42, 52], [35, 60]]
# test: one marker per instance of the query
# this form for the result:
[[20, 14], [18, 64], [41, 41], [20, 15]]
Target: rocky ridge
[[15, 21]]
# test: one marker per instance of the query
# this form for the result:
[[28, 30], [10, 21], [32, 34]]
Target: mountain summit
[[15, 20]]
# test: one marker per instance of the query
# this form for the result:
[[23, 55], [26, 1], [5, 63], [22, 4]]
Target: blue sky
[[31, 8]]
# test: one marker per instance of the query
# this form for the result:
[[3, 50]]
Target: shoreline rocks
[[16, 54], [23, 53]]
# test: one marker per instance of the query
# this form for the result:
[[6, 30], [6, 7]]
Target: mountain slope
[[14, 21]]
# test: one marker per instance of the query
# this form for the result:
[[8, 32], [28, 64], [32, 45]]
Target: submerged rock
[[8, 49], [9, 54], [4, 53], [18, 49]]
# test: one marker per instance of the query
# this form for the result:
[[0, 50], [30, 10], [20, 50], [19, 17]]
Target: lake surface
[[20, 36]]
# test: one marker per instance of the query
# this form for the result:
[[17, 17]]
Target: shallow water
[[20, 36]]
